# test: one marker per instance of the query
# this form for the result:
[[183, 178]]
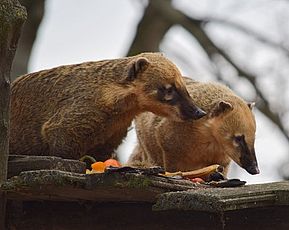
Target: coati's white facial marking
[[169, 90]]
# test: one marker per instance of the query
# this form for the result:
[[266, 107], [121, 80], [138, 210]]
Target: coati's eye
[[241, 143], [169, 89], [167, 93], [239, 139]]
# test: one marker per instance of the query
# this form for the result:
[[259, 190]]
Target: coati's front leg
[[107, 150], [226, 169], [137, 158], [169, 153]]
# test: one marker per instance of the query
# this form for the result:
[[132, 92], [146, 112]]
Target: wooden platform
[[57, 199]]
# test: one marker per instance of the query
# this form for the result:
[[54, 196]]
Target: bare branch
[[151, 29], [247, 31]]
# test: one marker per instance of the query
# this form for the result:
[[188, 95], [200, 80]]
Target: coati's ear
[[220, 108], [137, 66], [251, 105]]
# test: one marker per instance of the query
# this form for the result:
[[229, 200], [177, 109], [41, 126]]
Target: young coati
[[80, 109], [227, 132]]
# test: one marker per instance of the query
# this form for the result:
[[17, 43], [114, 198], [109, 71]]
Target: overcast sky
[[94, 30]]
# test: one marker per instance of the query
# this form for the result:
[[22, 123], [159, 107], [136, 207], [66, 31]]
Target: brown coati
[[227, 132], [80, 109]]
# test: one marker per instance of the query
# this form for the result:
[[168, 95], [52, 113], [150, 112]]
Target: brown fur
[[86, 108], [192, 145]]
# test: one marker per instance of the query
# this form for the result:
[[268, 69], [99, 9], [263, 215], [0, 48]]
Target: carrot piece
[[98, 166], [112, 162]]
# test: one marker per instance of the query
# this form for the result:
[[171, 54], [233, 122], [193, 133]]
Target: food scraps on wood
[[211, 175], [202, 173]]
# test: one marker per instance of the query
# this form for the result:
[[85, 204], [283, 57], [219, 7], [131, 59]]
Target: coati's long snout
[[248, 160], [188, 110], [246, 156], [182, 106]]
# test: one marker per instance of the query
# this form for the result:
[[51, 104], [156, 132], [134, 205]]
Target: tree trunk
[[12, 16], [151, 29], [35, 11]]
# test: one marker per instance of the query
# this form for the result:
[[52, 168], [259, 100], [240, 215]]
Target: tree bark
[[12, 17], [151, 29], [35, 11]]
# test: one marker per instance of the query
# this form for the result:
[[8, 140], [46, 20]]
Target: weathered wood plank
[[60, 185], [20, 163], [169, 194], [226, 199]]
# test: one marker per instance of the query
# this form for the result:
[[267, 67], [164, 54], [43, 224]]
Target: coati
[[74, 110], [227, 132]]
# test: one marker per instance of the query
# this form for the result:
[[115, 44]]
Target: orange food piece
[[98, 166], [112, 162]]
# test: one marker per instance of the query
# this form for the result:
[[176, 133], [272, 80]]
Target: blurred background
[[244, 44]]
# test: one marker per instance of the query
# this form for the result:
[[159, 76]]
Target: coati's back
[[37, 97], [226, 132]]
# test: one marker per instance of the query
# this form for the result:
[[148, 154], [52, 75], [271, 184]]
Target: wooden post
[[12, 17]]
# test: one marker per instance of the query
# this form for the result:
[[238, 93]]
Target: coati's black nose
[[192, 112], [253, 169], [199, 113], [196, 113], [248, 159]]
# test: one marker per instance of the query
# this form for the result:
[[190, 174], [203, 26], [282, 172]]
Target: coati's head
[[234, 127], [160, 88]]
